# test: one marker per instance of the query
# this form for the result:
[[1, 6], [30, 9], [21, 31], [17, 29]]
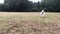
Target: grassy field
[[29, 23]]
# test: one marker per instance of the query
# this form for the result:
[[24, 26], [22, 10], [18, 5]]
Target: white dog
[[42, 13]]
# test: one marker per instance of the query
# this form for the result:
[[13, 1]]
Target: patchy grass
[[29, 23]]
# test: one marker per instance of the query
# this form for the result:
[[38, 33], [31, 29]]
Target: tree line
[[25, 5]]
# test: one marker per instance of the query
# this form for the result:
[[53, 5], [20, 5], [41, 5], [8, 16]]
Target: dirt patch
[[32, 28]]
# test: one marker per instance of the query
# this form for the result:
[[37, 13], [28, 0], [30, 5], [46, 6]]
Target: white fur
[[42, 13]]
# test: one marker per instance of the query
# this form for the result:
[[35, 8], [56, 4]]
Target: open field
[[29, 23]]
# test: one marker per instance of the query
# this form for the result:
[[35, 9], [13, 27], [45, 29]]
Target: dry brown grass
[[29, 23]]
